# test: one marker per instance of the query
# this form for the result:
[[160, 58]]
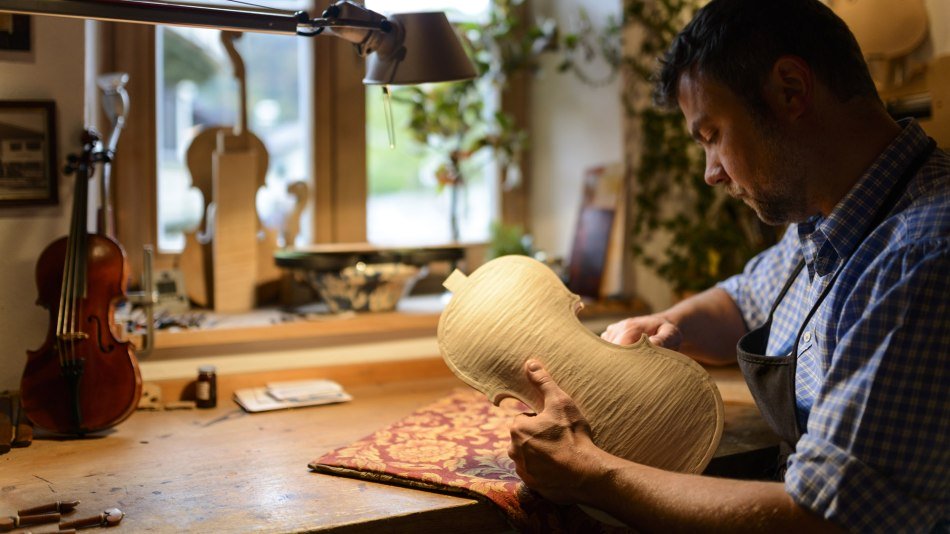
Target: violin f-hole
[[104, 348]]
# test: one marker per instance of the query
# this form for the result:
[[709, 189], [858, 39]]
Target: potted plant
[[453, 120]]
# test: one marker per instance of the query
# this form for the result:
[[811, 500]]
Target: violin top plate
[[644, 403]]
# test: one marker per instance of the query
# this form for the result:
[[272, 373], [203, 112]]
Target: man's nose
[[715, 174]]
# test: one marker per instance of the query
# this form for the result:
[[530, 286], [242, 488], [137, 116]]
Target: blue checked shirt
[[872, 379]]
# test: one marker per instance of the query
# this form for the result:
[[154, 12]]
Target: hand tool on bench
[[16, 521], [107, 518], [63, 507]]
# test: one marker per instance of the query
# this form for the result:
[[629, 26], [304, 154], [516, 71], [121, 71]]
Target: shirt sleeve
[[875, 455], [755, 288]]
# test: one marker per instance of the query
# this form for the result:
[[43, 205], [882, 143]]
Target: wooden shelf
[[245, 333], [374, 325], [328, 331]]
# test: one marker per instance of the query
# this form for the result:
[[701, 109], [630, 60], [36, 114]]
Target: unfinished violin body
[[644, 403]]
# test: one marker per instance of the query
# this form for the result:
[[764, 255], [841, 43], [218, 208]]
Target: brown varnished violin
[[82, 379]]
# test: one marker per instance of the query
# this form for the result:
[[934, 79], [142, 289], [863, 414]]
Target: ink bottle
[[206, 388]]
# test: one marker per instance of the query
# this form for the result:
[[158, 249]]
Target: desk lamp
[[403, 49]]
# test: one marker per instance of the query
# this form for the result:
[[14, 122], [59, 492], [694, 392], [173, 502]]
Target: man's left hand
[[552, 450]]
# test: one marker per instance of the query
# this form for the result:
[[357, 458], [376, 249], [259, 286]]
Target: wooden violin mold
[[644, 403]]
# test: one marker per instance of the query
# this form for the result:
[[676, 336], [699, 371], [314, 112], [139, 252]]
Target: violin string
[[63, 301], [67, 290], [67, 304], [77, 266], [73, 261], [78, 261], [82, 259]]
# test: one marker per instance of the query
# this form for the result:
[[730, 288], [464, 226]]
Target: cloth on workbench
[[458, 444]]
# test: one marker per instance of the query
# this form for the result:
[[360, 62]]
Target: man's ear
[[790, 88]]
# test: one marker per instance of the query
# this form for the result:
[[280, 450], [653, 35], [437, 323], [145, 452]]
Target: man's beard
[[782, 197]]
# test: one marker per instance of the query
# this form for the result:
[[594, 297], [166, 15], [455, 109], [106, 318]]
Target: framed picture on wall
[[28, 172], [16, 37]]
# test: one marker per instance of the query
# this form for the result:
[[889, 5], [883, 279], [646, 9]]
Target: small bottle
[[206, 388]]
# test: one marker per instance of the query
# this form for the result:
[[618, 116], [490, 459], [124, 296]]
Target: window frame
[[340, 189]]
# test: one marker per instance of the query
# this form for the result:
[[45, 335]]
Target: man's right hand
[[660, 331]]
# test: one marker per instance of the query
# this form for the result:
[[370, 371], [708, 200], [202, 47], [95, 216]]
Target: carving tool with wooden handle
[[63, 507], [108, 518], [11, 522]]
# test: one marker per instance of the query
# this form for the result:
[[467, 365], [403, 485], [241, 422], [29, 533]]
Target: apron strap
[[772, 378]]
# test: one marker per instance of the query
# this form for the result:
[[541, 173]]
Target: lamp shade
[[427, 50]]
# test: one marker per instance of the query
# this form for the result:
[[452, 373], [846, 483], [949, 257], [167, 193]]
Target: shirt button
[[807, 337]]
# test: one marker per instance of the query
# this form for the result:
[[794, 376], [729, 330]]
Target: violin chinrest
[[644, 403]]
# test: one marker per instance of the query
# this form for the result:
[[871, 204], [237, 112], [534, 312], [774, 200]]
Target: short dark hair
[[736, 42]]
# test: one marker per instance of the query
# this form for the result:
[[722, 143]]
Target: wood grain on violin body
[[82, 379], [644, 403]]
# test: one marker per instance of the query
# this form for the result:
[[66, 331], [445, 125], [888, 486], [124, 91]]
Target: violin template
[[644, 403]]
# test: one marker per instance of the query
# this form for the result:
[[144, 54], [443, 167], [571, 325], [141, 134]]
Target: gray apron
[[771, 379]]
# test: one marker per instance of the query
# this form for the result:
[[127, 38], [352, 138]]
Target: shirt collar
[[824, 240]]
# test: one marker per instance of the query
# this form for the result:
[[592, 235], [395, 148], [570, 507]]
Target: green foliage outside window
[[711, 235], [453, 120]]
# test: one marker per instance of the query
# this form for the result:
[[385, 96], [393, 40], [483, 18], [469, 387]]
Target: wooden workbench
[[223, 470]]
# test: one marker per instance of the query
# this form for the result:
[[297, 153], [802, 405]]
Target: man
[[851, 366]]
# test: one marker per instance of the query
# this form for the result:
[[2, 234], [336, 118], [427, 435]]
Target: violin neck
[[74, 285]]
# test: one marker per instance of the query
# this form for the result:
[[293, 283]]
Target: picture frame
[[16, 38], [28, 159]]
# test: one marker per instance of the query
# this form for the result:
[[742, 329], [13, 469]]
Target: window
[[197, 91], [402, 181], [332, 151]]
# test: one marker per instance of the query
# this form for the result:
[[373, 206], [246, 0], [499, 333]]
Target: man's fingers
[[667, 336], [630, 330], [540, 377], [537, 372]]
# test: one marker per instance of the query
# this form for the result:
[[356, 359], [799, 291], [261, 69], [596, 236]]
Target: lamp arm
[[344, 19], [445, 60]]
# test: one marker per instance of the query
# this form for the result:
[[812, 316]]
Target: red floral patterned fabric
[[457, 444]]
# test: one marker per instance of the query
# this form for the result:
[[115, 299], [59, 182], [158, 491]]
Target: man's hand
[[661, 331], [554, 455], [552, 451]]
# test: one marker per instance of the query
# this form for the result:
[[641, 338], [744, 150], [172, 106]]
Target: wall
[[55, 73], [939, 38], [573, 127]]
